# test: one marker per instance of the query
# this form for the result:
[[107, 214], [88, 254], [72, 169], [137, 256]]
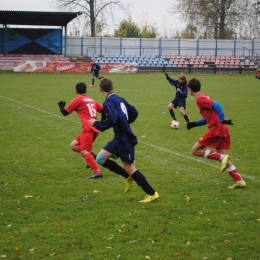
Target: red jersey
[[86, 109], [204, 104]]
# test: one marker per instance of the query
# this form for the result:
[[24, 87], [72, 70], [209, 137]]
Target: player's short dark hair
[[81, 88], [194, 85], [106, 84]]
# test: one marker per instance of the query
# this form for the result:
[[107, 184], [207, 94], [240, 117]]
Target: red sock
[[232, 171], [91, 162], [212, 155]]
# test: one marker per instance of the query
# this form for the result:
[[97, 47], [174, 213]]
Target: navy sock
[[114, 167], [142, 182], [186, 118], [172, 114]]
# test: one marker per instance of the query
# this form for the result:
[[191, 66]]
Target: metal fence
[[84, 46]]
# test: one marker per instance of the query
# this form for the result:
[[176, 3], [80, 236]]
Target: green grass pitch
[[49, 210]]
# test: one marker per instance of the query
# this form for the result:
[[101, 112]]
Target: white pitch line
[[192, 158], [40, 110], [144, 143]]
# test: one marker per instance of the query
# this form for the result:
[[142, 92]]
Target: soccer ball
[[175, 124]]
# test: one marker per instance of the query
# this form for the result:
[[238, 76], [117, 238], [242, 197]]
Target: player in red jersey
[[258, 72], [87, 109], [218, 136]]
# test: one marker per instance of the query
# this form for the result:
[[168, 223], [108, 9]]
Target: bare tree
[[219, 19], [92, 9]]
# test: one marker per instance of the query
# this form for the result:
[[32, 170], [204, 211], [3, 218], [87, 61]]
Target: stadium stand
[[147, 62]]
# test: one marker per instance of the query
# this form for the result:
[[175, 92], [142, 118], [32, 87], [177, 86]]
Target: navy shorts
[[179, 102], [125, 151], [96, 75]]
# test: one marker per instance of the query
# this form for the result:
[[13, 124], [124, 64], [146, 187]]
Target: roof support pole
[[5, 39], [66, 42]]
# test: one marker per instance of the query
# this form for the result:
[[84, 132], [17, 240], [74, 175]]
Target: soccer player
[[180, 97], [86, 108], [218, 136], [119, 115], [258, 72], [95, 68]]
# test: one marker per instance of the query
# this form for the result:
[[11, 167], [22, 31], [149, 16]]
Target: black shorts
[[179, 102], [125, 151], [96, 75]]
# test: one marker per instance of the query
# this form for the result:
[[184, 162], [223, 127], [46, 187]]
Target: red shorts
[[86, 140], [216, 142]]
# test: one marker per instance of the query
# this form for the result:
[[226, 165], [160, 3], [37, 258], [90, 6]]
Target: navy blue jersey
[[181, 88], [95, 68], [119, 114]]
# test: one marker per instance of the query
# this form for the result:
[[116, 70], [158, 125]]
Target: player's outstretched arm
[[227, 122], [191, 125], [62, 104], [167, 76], [199, 122]]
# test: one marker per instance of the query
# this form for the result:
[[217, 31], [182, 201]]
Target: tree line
[[204, 19]]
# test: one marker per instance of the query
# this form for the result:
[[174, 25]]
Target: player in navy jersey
[[180, 97], [95, 68], [119, 114]]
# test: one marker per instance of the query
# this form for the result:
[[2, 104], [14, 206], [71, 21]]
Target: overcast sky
[[153, 12]]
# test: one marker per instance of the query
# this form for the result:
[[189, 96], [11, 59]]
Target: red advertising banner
[[75, 67], [60, 66]]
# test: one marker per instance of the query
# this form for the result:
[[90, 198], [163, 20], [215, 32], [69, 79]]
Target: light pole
[[95, 27]]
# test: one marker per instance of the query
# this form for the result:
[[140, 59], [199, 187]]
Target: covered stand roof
[[37, 18]]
